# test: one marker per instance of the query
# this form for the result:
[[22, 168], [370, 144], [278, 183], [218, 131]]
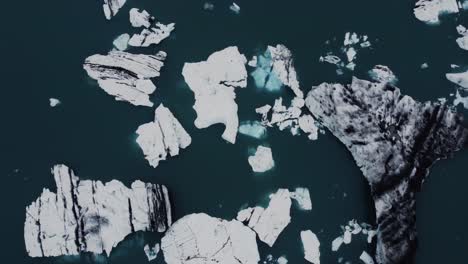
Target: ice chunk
[[336, 243], [429, 11], [463, 40], [208, 6], [366, 258], [424, 65], [154, 35], [53, 102], [235, 8], [311, 246], [152, 252], [244, 214], [460, 78], [302, 197], [253, 61], [121, 42], [165, 135], [459, 99], [262, 160], [200, 238], [213, 83], [111, 7], [282, 260], [382, 74], [307, 124], [253, 129], [140, 19]]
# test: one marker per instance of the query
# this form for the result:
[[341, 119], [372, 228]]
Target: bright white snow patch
[[262, 160], [429, 11], [152, 252], [200, 238], [53, 102], [163, 136], [213, 83], [311, 246]]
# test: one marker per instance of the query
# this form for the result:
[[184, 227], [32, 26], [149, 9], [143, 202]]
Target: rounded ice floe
[[213, 83], [202, 239], [53, 102], [121, 42], [262, 160], [311, 246]]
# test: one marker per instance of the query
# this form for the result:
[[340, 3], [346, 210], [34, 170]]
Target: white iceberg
[[366, 258], [302, 196], [235, 8], [53, 102], [153, 35], [162, 137], [463, 40], [262, 160], [126, 76], [460, 78], [311, 246], [111, 7], [140, 19], [152, 252], [253, 129], [459, 99], [121, 42], [382, 74], [336, 243], [213, 83], [202, 239], [91, 216], [429, 11]]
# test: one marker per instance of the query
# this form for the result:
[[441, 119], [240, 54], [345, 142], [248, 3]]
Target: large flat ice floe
[[394, 141], [311, 246], [202, 239], [429, 11], [269, 222], [165, 135], [91, 216], [126, 76], [111, 7], [262, 160], [213, 83]]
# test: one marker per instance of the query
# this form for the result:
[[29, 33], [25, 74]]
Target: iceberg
[[253, 129], [235, 8], [366, 258], [111, 7], [463, 40], [302, 197], [140, 18], [126, 76], [91, 216], [383, 74], [311, 246], [152, 252], [151, 36], [53, 102], [213, 83], [459, 99], [165, 135], [460, 78], [394, 140], [262, 160], [121, 42], [200, 238], [429, 11]]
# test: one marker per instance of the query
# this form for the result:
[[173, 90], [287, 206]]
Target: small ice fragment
[[463, 40], [235, 8], [262, 160], [351, 54], [121, 42], [424, 65], [311, 246], [336, 243], [382, 74], [366, 258], [459, 99], [302, 197], [429, 11], [282, 260], [370, 235], [332, 59], [208, 6], [253, 62], [253, 129], [152, 253], [53, 102], [347, 237]]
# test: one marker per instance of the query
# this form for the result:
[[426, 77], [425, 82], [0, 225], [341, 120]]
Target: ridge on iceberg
[[213, 83]]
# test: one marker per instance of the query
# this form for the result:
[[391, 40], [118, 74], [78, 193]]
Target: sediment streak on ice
[[165, 135], [126, 76], [213, 83], [91, 216]]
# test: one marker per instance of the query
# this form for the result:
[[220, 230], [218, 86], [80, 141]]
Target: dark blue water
[[44, 44]]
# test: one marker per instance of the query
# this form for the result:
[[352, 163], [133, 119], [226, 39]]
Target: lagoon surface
[[46, 42]]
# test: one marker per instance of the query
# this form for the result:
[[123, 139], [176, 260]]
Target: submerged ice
[[262, 160], [253, 129]]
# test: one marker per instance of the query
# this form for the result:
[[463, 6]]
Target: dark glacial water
[[44, 44]]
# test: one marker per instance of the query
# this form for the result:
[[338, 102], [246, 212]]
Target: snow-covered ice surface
[[121, 42], [165, 135], [153, 35], [269, 222], [253, 129], [202, 239], [311, 246], [111, 7], [213, 83], [429, 11], [366, 258], [140, 18], [91, 216], [152, 252], [302, 196], [462, 41], [262, 160], [126, 76], [459, 78], [53, 102]]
